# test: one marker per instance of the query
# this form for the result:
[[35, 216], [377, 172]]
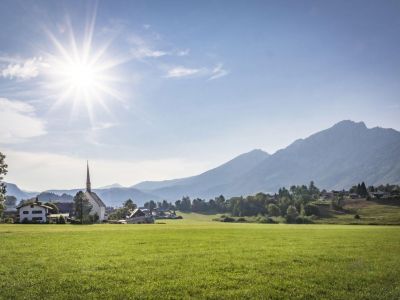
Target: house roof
[[137, 213], [95, 198], [34, 203]]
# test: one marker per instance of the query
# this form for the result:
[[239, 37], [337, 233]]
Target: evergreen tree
[[129, 205], [363, 190], [82, 207]]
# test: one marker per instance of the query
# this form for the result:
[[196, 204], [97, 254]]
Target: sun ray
[[80, 75]]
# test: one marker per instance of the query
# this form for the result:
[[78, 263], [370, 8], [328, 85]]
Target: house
[[138, 216], [33, 212], [98, 206]]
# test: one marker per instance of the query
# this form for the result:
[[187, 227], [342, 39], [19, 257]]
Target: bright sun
[[80, 75]]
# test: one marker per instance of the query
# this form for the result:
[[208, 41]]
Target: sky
[[153, 90]]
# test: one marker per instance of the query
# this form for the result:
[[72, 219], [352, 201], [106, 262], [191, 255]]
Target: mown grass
[[197, 258]]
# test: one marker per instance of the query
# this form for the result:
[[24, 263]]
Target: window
[[35, 212], [25, 212], [37, 219]]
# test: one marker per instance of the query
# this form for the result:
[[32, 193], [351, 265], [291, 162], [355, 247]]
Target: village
[[89, 208], [33, 211]]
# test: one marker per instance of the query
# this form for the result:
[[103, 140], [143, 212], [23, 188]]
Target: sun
[[80, 74]]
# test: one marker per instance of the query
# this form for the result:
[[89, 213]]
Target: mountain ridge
[[334, 158]]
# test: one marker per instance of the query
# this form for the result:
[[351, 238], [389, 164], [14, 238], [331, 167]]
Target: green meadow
[[198, 258]]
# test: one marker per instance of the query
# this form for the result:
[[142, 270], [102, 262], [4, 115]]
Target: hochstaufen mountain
[[335, 158]]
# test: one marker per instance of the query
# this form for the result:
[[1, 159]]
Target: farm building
[[33, 212]]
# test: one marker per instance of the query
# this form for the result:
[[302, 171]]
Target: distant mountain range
[[335, 158], [113, 196]]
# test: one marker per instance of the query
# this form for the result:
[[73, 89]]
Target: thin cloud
[[218, 72], [212, 73], [183, 52], [177, 72], [141, 48], [143, 52], [18, 122], [23, 70]]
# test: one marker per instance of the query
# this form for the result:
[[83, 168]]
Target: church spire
[[88, 185]]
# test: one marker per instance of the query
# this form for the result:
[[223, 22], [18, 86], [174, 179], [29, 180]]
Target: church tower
[[88, 185]]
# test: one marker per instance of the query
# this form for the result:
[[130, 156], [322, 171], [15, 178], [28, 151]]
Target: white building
[[33, 212], [98, 206]]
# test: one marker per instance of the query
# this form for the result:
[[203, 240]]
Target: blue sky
[[191, 83]]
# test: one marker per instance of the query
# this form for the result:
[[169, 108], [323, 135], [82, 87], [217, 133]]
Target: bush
[[241, 220], [61, 220], [9, 220], [264, 220], [227, 219], [291, 214], [357, 217], [303, 220], [311, 209], [273, 210]]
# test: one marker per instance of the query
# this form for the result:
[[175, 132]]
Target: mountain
[[52, 197], [113, 196], [335, 158], [14, 190], [114, 185], [207, 184]]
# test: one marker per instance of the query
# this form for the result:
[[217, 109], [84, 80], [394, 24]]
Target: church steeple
[[88, 185]]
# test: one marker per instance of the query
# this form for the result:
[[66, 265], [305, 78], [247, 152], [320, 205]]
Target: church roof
[[95, 198]]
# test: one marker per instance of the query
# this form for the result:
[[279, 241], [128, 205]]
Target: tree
[[311, 209], [151, 205], [129, 205], [3, 171], [10, 201], [313, 190], [273, 210], [291, 214], [82, 207], [363, 190]]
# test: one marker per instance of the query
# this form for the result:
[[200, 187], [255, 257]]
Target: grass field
[[196, 258], [370, 212]]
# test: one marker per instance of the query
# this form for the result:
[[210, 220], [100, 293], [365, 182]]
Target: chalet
[[33, 212]]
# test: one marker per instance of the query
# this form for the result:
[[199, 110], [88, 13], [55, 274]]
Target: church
[[98, 206]]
